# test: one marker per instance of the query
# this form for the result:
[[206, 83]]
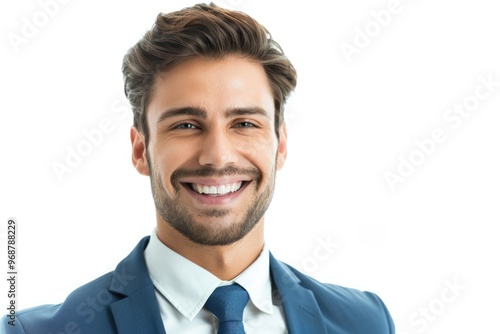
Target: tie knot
[[227, 304]]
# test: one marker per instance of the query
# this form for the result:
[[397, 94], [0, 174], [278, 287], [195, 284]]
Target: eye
[[244, 125], [186, 126]]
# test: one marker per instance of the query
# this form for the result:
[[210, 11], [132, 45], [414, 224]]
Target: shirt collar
[[187, 286], [256, 279]]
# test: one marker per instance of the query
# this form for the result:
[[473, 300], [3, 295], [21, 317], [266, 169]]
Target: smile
[[219, 190]]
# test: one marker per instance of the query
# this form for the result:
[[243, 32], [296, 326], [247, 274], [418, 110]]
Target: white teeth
[[236, 186], [219, 190]]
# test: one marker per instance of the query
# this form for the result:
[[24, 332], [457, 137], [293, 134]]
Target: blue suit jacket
[[124, 302]]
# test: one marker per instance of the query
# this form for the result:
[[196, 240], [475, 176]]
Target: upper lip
[[220, 181]]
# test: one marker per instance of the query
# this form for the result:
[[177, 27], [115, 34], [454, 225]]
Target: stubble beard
[[176, 214]]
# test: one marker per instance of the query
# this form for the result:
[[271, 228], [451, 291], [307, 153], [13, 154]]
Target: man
[[208, 87]]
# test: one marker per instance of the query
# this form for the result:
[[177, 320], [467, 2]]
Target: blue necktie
[[227, 304]]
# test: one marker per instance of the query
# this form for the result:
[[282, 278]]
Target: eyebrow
[[199, 112], [183, 111], [246, 111]]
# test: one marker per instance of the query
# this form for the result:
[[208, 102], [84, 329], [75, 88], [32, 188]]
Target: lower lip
[[216, 200]]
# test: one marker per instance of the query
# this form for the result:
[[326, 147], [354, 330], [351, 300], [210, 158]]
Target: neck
[[225, 262]]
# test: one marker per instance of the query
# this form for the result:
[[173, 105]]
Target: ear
[[282, 148], [139, 151]]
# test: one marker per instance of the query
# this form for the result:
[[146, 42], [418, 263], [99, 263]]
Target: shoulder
[[341, 308], [88, 309], [84, 306], [341, 295]]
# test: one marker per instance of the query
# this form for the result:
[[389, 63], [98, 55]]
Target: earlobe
[[282, 148], [139, 151]]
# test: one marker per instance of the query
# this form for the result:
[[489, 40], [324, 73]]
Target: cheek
[[261, 145], [263, 158], [165, 162], [171, 153]]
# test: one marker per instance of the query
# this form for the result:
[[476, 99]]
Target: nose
[[217, 150]]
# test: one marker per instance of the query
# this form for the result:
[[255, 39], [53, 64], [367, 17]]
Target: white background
[[348, 122]]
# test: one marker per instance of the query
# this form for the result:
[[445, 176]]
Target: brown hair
[[203, 31]]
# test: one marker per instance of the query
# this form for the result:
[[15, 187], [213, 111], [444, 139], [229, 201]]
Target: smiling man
[[212, 154], [208, 87]]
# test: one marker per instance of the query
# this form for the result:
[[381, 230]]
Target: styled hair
[[205, 31]]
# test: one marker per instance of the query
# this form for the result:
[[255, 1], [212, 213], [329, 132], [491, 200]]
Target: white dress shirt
[[182, 288]]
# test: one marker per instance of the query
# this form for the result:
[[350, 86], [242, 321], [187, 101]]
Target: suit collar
[[302, 313], [137, 311], [138, 306]]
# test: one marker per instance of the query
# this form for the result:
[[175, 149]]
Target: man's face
[[213, 152]]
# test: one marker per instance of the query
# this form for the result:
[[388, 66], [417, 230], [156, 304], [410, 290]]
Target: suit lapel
[[138, 314], [137, 311], [302, 312]]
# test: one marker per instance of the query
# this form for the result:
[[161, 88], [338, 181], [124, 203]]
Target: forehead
[[214, 85]]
